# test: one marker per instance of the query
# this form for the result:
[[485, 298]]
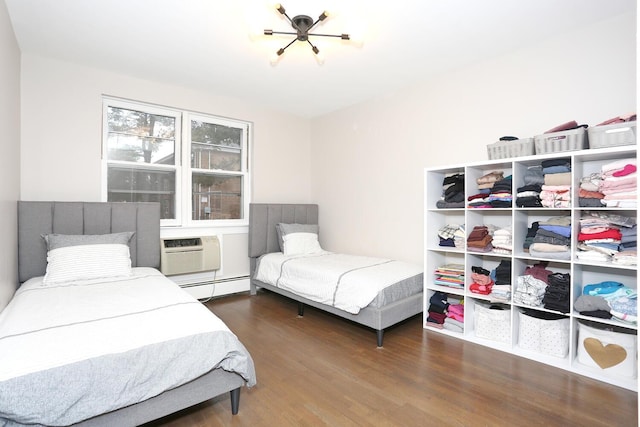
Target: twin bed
[[286, 258], [95, 335]]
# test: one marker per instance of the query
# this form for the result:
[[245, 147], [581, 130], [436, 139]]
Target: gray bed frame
[[37, 218], [263, 239]]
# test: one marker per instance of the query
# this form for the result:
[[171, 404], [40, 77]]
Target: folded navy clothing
[[530, 187], [565, 161]]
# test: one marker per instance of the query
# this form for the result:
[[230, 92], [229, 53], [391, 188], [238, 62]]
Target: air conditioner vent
[[189, 255]]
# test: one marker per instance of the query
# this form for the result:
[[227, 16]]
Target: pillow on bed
[[55, 241], [301, 244], [282, 229], [83, 257]]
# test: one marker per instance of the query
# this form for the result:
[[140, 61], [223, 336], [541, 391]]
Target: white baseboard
[[219, 288]]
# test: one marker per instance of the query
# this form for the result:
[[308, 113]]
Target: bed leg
[[300, 309], [253, 289], [380, 336], [235, 400]]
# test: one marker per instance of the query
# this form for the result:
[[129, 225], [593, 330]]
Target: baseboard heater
[[213, 282]]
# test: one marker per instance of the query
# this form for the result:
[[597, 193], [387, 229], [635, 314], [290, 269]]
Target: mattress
[[347, 282], [75, 350]]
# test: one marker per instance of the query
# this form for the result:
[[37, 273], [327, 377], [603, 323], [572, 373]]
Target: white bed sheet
[[347, 282]]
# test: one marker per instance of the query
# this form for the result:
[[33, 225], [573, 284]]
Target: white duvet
[[347, 282], [75, 350], [73, 304]]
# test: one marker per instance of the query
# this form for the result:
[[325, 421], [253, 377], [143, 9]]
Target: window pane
[[216, 197], [216, 146], [136, 136], [140, 185]]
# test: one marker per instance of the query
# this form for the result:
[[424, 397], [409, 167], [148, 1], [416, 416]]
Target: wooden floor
[[320, 370]]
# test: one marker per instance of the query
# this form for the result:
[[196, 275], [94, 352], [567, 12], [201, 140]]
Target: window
[[187, 162]]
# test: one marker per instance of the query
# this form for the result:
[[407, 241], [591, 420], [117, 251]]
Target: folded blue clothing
[[562, 230], [602, 288], [556, 169]]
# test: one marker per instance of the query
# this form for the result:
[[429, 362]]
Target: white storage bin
[[543, 335], [507, 149], [612, 352], [492, 323], [567, 140], [612, 135]]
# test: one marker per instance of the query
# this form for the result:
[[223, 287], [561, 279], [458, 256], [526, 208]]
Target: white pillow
[[301, 244], [71, 263]]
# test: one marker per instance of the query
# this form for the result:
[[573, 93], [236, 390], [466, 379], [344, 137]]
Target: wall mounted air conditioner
[[189, 255]]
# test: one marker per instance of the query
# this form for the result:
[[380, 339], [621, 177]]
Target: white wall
[[61, 138], [61, 131], [10, 158], [368, 160]]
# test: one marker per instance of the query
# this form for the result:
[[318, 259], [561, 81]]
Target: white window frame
[[243, 172], [182, 168]]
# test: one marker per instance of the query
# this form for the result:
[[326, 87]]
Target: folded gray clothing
[[533, 175], [559, 240], [615, 219], [547, 233], [557, 220], [441, 204], [591, 303], [587, 202]]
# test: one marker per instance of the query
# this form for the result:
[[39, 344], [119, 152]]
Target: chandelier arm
[[290, 43], [342, 36], [289, 33], [314, 48], [313, 25]]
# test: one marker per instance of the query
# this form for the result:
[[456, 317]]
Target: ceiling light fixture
[[302, 24]]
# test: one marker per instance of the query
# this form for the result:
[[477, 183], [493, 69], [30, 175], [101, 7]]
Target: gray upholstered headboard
[[263, 218], [37, 218]]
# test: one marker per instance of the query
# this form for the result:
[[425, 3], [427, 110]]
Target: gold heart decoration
[[605, 356]]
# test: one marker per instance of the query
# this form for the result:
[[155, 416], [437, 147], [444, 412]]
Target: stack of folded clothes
[[452, 192], [557, 294], [481, 281], [452, 235], [556, 191], [607, 237], [621, 299], [528, 196], [500, 195], [437, 310], [502, 241], [485, 185], [455, 317], [451, 275], [589, 194], [619, 184], [598, 239], [531, 286], [479, 240], [501, 276], [553, 239]]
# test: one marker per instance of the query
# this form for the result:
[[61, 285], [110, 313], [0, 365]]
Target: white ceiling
[[206, 44]]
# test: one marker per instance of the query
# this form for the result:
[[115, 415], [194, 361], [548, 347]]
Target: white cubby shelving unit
[[583, 163]]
